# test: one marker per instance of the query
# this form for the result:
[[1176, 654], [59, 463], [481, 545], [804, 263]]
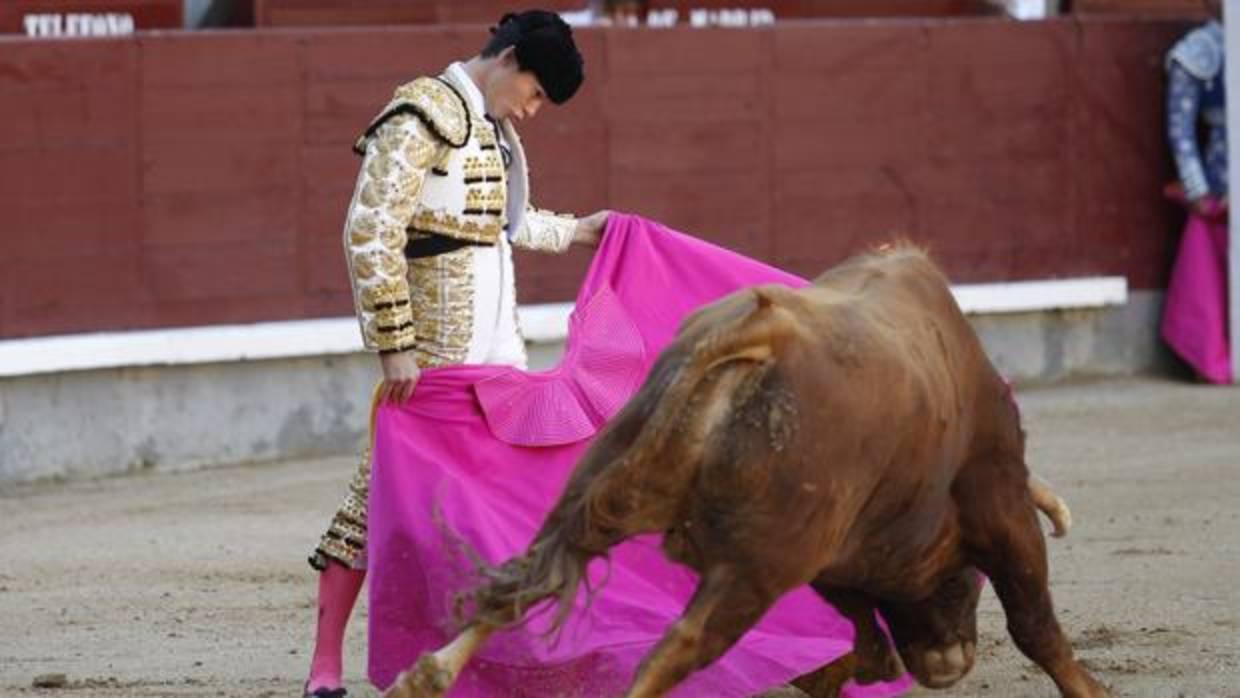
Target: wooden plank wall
[[1151, 8], [389, 12], [188, 179], [288, 13]]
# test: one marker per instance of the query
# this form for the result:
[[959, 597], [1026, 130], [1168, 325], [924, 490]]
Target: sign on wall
[[708, 17], [77, 18]]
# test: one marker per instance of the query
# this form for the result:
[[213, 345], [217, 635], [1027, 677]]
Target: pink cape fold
[[1194, 318], [473, 463]]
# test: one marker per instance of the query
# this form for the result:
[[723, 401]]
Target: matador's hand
[[589, 230], [400, 375]]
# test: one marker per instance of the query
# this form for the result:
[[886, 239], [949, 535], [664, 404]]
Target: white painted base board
[[544, 323]]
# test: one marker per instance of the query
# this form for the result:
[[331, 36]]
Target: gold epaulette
[[432, 100]]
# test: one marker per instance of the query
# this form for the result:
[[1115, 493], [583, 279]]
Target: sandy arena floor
[[195, 584]]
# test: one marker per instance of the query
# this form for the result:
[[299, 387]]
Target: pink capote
[[1194, 318], [480, 454]]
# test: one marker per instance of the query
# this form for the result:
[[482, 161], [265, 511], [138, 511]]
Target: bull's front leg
[[434, 673], [828, 681], [873, 658], [937, 636]]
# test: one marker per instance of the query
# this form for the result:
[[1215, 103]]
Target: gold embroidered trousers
[[465, 311]]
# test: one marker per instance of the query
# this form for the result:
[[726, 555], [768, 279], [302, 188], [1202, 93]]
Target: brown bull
[[851, 435]]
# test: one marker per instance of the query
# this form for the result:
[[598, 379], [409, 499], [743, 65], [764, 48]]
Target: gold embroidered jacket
[[431, 165]]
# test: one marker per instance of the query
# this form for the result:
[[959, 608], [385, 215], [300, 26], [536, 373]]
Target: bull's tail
[[623, 488], [1051, 505], [551, 569], [603, 504], [584, 524]]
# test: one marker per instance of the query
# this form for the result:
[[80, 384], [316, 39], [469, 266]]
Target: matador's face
[[512, 93]]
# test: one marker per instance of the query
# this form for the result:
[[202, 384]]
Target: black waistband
[[437, 244]]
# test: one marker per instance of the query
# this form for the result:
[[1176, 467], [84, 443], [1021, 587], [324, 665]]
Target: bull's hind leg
[[1012, 552], [722, 609]]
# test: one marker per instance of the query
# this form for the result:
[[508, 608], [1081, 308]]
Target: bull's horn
[[1051, 505], [755, 352]]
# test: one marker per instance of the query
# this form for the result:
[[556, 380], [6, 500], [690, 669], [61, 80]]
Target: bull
[[851, 435]]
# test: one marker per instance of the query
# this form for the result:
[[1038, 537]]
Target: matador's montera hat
[[543, 44]]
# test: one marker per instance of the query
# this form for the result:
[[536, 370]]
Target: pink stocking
[[338, 588]]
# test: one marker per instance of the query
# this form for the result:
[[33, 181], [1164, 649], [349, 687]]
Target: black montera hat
[[544, 46]]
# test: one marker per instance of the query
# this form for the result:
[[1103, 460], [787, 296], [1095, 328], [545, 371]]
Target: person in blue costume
[[1194, 322], [1195, 91]]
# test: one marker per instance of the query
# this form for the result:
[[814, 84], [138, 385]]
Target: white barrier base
[[546, 323]]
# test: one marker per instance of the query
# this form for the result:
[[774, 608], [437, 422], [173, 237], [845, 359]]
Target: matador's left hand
[[589, 230]]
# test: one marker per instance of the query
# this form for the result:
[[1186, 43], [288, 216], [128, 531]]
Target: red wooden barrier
[[812, 9], [193, 179], [1154, 8], [287, 13], [392, 12]]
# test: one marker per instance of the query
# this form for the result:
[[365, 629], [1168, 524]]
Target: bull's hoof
[[427, 679], [1092, 689], [942, 667]]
